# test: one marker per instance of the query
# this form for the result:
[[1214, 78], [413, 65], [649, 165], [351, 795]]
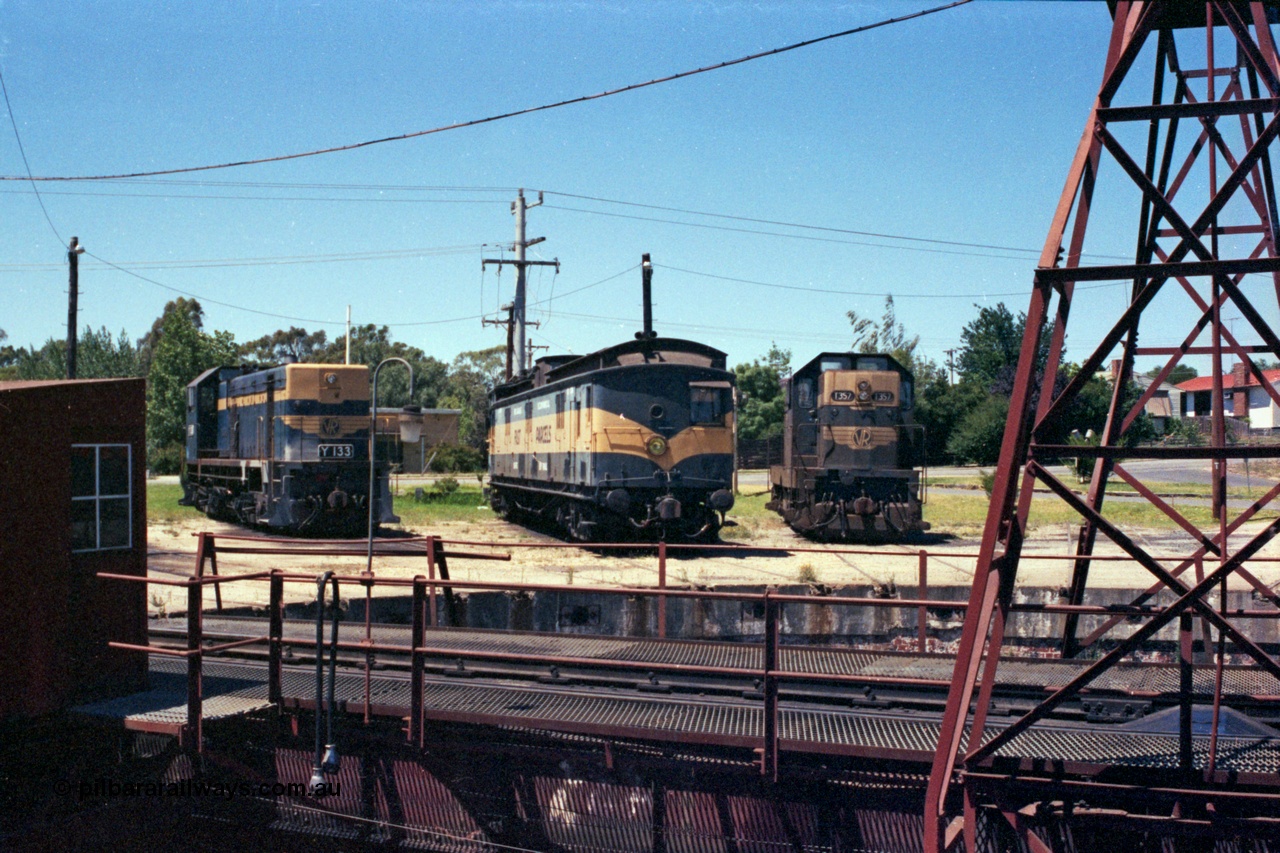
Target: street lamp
[[410, 429]]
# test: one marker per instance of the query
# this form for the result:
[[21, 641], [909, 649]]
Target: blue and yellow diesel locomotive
[[286, 447], [852, 454], [634, 440]]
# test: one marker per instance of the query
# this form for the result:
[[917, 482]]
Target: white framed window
[[101, 499]]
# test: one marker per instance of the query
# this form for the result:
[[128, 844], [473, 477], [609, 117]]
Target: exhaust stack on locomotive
[[852, 454]]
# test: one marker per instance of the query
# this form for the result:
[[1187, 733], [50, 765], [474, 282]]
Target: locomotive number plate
[[337, 451], [883, 396], [842, 396]]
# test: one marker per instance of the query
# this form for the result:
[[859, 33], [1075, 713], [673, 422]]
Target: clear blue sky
[[955, 127]]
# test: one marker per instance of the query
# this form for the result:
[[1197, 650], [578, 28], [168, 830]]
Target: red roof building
[[1245, 397]]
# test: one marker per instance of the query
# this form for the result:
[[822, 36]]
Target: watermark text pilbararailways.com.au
[[101, 789]]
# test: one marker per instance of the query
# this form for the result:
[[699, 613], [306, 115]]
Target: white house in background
[[1165, 403], [1245, 398]]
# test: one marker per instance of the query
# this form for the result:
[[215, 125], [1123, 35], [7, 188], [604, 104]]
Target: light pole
[[410, 429]]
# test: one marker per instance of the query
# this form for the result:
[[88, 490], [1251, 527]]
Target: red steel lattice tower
[[1198, 155]]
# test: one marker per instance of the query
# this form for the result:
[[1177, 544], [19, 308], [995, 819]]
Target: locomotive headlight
[[864, 391], [656, 445], [864, 385]]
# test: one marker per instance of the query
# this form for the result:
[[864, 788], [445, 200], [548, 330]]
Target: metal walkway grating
[[232, 688], [1137, 679]]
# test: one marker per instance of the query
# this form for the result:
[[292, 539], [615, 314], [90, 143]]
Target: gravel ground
[[773, 555]]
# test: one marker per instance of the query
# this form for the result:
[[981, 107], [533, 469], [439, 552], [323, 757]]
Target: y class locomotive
[[286, 447], [632, 441], [852, 455]]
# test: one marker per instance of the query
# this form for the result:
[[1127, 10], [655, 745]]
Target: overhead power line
[[284, 260], [807, 227], [809, 237], [206, 197], [898, 295], [13, 122], [514, 113]]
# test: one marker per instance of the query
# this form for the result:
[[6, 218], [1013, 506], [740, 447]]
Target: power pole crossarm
[[518, 322]]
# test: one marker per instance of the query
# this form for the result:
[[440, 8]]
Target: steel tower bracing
[[1198, 154]]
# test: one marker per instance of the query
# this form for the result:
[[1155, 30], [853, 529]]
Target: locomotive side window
[[101, 502], [560, 410], [804, 394], [708, 402], [906, 393]]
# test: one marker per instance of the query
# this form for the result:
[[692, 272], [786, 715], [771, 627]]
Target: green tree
[[940, 407], [370, 345], [1180, 373], [990, 346], [889, 337], [98, 356], [976, 438], [147, 345], [472, 377], [286, 345], [8, 358], [760, 412], [181, 353]]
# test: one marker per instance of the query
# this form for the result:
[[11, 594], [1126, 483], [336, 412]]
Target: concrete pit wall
[[823, 621]]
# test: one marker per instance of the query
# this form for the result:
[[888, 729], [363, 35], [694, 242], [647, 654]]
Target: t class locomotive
[[285, 447], [852, 455], [632, 441]]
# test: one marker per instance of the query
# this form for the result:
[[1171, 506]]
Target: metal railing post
[[195, 681], [1185, 679], [662, 584], [769, 755], [417, 638], [275, 631], [442, 568], [922, 613], [431, 573]]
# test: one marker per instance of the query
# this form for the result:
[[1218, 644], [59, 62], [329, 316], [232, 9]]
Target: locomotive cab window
[[709, 402], [905, 392], [101, 502], [872, 363], [837, 364]]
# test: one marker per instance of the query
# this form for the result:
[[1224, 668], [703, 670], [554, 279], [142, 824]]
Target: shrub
[[457, 458], [165, 459], [976, 439]]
